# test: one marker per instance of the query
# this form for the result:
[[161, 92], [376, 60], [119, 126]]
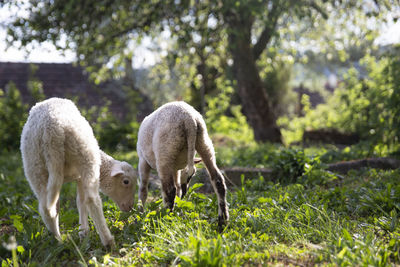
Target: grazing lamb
[[167, 141], [58, 146]]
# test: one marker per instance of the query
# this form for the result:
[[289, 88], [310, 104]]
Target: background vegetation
[[239, 63]]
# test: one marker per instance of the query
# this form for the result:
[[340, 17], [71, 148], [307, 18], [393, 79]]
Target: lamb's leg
[[144, 172], [190, 169], [83, 212], [50, 221], [89, 194], [51, 208], [38, 177], [168, 186], [206, 150], [49, 203], [177, 182]]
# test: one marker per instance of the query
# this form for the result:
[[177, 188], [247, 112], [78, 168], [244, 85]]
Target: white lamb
[[58, 146], [167, 141]]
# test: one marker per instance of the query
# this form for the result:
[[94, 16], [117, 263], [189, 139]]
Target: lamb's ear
[[196, 160], [116, 170]]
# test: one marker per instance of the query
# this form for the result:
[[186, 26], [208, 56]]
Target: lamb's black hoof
[[184, 190]]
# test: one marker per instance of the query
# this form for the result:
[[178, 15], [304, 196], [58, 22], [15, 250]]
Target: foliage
[[373, 103], [293, 164], [104, 34], [252, 154], [234, 126], [276, 73], [325, 50], [317, 220], [365, 104], [13, 112], [169, 79], [111, 133], [12, 117], [34, 85], [249, 154], [110, 42]]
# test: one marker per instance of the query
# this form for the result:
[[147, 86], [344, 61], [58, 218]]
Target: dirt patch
[[5, 227]]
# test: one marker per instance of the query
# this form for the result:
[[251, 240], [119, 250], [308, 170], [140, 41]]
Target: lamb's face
[[122, 185]]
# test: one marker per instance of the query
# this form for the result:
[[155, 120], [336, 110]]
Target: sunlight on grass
[[311, 220]]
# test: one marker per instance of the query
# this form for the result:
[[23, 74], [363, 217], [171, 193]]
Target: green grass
[[317, 218]]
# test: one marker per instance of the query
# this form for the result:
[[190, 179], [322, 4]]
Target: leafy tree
[[371, 105], [102, 32]]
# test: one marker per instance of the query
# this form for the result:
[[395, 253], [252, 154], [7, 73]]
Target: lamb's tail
[[191, 136]]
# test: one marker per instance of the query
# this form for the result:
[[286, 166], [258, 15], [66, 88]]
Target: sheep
[[168, 139], [58, 146]]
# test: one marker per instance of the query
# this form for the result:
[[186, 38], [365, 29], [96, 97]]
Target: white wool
[[57, 146], [167, 141]]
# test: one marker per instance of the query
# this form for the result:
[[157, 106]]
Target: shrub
[[35, 86], [234, 125], [12, 116], [111, 133], [369, 106]]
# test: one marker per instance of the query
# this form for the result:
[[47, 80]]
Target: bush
[[233, 126], [369, 106], [35, 86], [111, 133], [12, 116]]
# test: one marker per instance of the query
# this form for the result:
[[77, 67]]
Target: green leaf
[[347, 235], [17, 222], [199, 195], [20, 249], [196, 186], [264, 199], [184, 204], [106, 258], [152, 213], [342, 253]]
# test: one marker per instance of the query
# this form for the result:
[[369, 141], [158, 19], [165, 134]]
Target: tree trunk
[[250, 88]]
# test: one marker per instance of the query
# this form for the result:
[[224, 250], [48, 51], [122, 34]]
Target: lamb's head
[[186, 175], [118, 181]]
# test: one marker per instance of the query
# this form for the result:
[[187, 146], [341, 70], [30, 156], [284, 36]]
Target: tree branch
[[319, 9], [268, 31]]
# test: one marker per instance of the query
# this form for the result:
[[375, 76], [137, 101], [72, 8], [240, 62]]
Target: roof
[[62, 80]]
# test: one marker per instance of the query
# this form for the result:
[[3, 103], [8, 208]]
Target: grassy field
[[311, 217]]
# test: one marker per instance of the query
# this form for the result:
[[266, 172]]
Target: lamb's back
[[57, 124], [164, 132]]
